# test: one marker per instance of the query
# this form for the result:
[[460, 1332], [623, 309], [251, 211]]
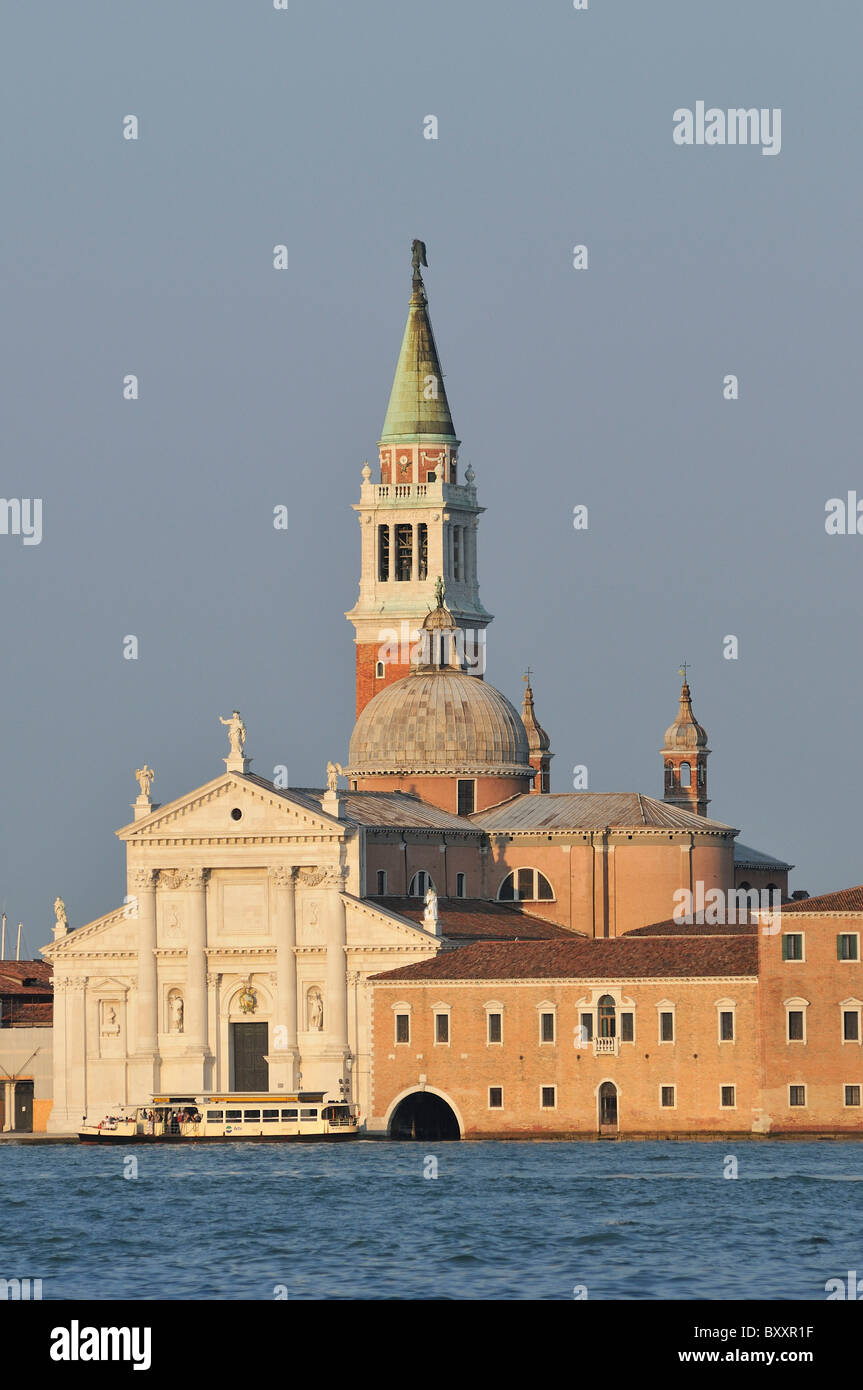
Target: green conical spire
[[418, 408]]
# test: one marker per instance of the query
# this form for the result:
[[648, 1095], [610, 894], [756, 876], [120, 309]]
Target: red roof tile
[[27, 1013], [14, 973], [620, 958], [672, 928], [846, 900], [474, 918]]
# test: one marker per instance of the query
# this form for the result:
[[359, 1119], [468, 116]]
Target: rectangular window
[[403, 1028], [546, 1028], [441, 1028], [668, 1097], [587, 1027], [289, 1114], [382, 882], [270, 1116], [404, 551], [457, 533], [847, 947], [549, 1097], [251, 1114], [852, 1095], [795, 1025], [792, 946], [726, 1025], [214, 1116], [466, 796], [525, 885], [727, 1097], [495, 1028], [627, 1027], [308, 1114], [383, 553], [233, 1114], [460, 885], [423, 542], [666, 1027], [495, 1097], [796, 1095], [850, 1025]]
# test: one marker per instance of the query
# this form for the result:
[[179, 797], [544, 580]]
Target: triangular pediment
[[233, 807]]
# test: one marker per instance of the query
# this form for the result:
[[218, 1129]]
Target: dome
[[439, 721], [685, 732]]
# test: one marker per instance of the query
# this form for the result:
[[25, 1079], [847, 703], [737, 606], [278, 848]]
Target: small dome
[[685, 732], [440, 721]]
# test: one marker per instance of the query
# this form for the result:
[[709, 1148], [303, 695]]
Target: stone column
[[59, 1121], [195, 1015], [336, 1021], [76, 1049], [142, 885], [284, 1050]]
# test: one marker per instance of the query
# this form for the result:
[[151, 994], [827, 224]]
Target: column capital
[[183, 878], [284, 877], [142, 878]]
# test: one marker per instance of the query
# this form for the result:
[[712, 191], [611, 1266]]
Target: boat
[[307, 1117]]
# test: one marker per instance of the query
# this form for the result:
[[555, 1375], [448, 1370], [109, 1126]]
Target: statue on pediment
[[236, 732], [145, 777]]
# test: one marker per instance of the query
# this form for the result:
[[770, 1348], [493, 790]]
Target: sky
[[601, 387]]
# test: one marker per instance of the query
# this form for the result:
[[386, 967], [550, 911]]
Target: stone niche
[[241, 907]]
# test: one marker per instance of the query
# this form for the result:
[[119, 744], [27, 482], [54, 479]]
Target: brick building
[[672, 1030], [26, 1011]]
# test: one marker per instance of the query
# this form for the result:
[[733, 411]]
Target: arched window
[[702, 774], [606, 1017], [379, 669], [669, 776], [420, 884], [525, 886], [745, 887], [685, 775]]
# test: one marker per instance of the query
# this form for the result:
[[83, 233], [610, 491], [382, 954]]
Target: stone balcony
[[605, 1047]]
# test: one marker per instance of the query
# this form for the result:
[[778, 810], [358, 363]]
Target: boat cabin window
[[308, 1114], [270, 1115], [233, 1114], [251, 1114], [289, 1114], [214, 1115], [334, 1112]]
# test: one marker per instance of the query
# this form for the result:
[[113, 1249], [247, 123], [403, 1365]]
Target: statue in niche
[[236, 732], [316, 1011], [110, 1023], [177, 1009]]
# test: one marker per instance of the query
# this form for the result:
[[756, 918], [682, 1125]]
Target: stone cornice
[[583, 982]]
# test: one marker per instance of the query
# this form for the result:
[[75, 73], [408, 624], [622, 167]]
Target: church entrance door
[[249, 1057]]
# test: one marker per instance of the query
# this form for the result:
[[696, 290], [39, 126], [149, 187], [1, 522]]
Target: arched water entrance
[[423, 1115], [608, 1108]]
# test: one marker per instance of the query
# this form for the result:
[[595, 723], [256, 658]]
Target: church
[[257, 918]]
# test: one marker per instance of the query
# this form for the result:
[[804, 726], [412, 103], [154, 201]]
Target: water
[[501, 1220]]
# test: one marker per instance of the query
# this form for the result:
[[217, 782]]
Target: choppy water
[[500, 1221]]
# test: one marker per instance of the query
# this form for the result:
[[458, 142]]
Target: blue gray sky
[[601, 387]]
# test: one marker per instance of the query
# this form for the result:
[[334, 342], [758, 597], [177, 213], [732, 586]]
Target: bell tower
[[418, 525], [685, 757]]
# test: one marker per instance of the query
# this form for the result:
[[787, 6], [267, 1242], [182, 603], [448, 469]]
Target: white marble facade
[[243, 905]]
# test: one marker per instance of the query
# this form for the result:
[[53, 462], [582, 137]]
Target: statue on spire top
[[418, 257]]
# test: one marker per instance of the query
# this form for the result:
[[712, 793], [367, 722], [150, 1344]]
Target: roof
[[472, 918], [374, 808], [745, 857], [845, 900], [592, 811], [28, 1013], [396, 809], [748, 927], [439, 721], [14, 973], [685, 733], [414, 413], [616, 959]]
